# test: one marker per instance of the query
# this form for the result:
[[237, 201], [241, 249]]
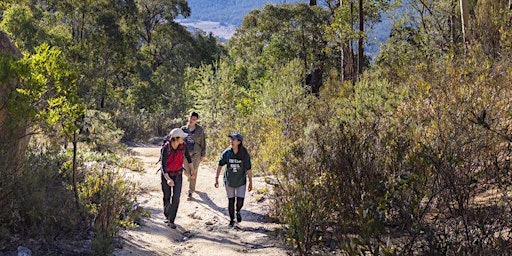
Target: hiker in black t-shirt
[[238, 168]]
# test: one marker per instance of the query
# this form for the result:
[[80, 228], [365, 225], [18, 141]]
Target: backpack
[[165, 143]]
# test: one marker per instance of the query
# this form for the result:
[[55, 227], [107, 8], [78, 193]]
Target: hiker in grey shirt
[[196, 143]]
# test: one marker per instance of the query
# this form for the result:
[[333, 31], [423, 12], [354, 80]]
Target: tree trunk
[[351, 69], [453, 30], [510, 10], [75, 183], [347, 52], [342, 62], [464, 16], [360, 57]]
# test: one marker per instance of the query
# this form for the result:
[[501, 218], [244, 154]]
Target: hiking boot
[[238, 217], [172, 225], [231, 223]]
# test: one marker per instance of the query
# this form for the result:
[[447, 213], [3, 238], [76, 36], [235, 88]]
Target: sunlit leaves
[[276, 35], [22, 26], [49, 88]]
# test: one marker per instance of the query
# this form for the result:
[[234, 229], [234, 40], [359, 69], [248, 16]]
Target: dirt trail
[[202, 222]]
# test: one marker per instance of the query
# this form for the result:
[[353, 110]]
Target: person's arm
[[163, 159], [170, 182], [163, 154], [249, 175], [222, 161], [217, 176], [189, 162], [203, 145], [249, 171]]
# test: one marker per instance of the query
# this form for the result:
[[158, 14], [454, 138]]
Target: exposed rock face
[[6, 46], [13, 139]]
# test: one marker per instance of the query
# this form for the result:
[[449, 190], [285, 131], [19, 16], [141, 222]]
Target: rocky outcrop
[[13, 139]]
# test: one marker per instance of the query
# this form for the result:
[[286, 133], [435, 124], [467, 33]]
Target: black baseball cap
[[237, 136]]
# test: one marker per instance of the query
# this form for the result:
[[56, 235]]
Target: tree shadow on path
[[247, 216]]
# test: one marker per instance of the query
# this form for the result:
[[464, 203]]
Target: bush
[[100, 132], [402, 169], [39, 204], [105, 197]]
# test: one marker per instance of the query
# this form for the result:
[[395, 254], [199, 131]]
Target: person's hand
[[249, 187], [170, 183], [193, 175], [203, 158], [216, 182]]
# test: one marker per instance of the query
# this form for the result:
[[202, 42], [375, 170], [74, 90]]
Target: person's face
[[234, 142], [180, 140], [192, 120]]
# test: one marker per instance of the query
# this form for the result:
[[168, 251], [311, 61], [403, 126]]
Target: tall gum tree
[[464, 16]]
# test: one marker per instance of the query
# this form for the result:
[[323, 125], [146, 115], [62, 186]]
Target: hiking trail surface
[[202, 221]]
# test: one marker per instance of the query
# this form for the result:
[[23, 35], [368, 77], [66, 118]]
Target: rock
[[15, 134], [24, 251], [259, 198], [195, 216]]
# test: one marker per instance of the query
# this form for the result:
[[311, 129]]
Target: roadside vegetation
[[408, 154]]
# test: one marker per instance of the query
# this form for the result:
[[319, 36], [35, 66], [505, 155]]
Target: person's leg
[[231, 210], [175, 202], [239, 204], [192, 182], [167, 196], [230, 191], [187, 170], [240, 195]]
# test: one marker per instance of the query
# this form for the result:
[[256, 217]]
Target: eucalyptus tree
[[444, 26], [166, 50], [277, 34], [346, 28]]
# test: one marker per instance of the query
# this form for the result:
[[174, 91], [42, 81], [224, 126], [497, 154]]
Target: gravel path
[[202, 222]]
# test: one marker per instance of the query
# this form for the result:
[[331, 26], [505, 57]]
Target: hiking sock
[[231, 208], [239, 204], [238, 217]]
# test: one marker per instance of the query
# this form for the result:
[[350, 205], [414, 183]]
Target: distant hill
[[223, 17], [228, 12]]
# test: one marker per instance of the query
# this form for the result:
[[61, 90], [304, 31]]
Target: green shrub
[[100, 132], [38, 203], [105, 196], [401, 168]]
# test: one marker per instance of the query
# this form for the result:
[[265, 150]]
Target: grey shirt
[[196, 140]]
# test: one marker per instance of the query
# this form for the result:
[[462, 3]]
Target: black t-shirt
[[237, 166]]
